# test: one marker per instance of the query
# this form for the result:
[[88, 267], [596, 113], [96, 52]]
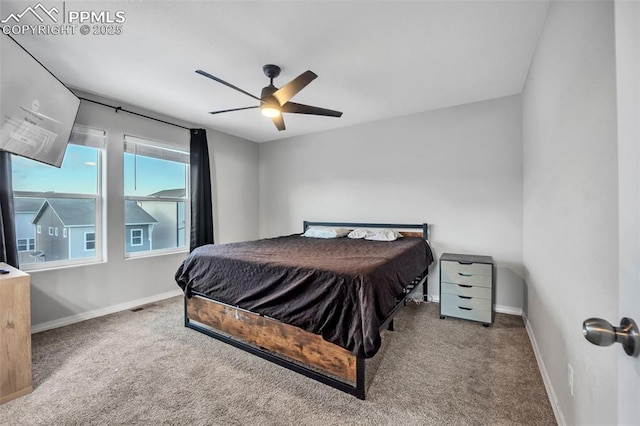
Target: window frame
[[100, 223], [29, 244], [89, 241], [186, 199], [132, 237]]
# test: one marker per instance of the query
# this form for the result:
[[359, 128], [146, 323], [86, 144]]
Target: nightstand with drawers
[[466, 287]]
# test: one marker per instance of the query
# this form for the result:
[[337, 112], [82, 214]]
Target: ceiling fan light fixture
[[270, 111]]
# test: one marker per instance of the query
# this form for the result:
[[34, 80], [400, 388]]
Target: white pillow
[[383, 235], [325, 232], [359, 233]]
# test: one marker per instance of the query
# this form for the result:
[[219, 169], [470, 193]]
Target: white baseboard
[[545, 376], [510, 310], [49, 325]]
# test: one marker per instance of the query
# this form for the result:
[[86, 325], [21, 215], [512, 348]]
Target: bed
[[315, 306]]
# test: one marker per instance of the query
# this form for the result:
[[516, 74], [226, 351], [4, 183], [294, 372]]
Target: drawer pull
[[465, 285], [462, 274], [465, 263], [465, 297], [464, 308]]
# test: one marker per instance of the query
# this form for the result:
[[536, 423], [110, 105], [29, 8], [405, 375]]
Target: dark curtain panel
[[201, 209], [8, 244]]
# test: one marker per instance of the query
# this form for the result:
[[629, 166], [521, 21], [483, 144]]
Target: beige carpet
[[145, 368]]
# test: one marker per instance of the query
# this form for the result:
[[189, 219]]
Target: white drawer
[[466, 290], [474, 314], [465, 278], [466, 268], [465, 301]]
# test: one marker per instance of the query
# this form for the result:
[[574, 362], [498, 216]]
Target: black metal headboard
[[423, 226]]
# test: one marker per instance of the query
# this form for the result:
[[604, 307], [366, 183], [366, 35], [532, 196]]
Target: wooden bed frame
[[289, 346]]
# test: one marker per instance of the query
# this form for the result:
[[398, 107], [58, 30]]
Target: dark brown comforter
[[342, 289]]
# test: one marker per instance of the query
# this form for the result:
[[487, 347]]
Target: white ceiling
[[374, 59]]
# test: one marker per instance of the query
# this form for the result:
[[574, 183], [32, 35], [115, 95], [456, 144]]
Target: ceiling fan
[[274, 101]]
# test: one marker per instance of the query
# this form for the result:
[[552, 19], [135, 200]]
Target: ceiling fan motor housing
[[267, 91]]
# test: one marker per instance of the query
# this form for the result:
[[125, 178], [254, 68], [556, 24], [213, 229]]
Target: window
[[156, 192], [26, 244], [89, 241], [136, 237], [49, 198]]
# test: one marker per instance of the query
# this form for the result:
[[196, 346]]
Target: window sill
[[155, 253], [31, 269]]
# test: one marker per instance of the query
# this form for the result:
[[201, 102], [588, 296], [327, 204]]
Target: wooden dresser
[[15, 334], [466, 287]]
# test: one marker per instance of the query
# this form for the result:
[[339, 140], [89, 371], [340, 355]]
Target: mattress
[[342, 289]]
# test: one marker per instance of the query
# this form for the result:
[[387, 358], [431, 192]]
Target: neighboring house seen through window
[[67, 198], [156, 192]]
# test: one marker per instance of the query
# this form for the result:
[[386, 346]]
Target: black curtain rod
[[134, 113]]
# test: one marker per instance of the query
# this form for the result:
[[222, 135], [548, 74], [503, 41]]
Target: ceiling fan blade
[[233, 109], [292, 107], [214, 78], [290, 89], [279, 122]]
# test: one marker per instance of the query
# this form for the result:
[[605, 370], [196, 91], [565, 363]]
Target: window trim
[[100, 222], [186, 199], [132, 237], [39, 229]]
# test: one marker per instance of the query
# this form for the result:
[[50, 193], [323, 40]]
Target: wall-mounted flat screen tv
[[37, 111]]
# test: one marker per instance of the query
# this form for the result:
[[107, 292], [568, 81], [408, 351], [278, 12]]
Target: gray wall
[[570, 204], [235, 163], [458, 168], [75, 292]]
